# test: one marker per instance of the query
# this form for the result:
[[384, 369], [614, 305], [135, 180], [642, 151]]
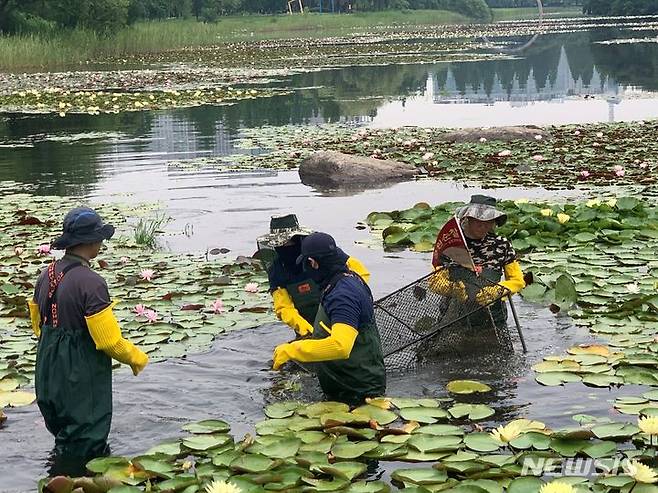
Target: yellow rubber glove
[[35, 317], [104, 330], [440, 283], [513, 277], [288, 314], [337, 346], [488, 294], [355, 265]]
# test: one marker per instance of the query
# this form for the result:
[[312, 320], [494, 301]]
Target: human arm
[[35, 317], [285, 310], [337, 346], [106, 334]]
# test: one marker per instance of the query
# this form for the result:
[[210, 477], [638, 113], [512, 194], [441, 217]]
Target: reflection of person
[[295, 295], [492, 254], [345, 340], [71, 314]]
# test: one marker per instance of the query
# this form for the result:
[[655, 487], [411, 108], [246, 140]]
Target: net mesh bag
[[443, 313]]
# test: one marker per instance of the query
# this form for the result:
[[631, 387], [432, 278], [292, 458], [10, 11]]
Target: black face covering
[[288, 255], [330, 265]]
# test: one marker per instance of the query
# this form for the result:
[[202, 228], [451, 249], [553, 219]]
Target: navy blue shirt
[[349, 302]]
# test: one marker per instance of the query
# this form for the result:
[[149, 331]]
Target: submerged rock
[[506, 134], [333, 169]]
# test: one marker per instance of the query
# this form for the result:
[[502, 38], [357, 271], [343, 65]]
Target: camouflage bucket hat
[[482, 207], [282, 229]]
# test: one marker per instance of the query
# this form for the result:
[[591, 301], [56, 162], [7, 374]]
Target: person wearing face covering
[[345, 344], [295, 295], [493, 256]]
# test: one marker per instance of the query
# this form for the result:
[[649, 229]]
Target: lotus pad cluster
[[326, 447], [170, 304], [594, 259]]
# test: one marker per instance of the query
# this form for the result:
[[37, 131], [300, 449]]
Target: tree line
[[620, 7]]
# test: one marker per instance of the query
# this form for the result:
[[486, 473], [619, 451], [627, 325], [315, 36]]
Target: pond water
[[570, 77]]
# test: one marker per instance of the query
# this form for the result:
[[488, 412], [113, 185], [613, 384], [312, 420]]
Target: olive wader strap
[[54, 280]]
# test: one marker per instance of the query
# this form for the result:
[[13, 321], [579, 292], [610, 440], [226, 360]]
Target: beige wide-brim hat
[[282, 230], [482, 207]]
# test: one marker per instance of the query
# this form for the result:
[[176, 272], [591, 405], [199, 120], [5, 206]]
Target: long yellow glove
[[337, 346], [105, 332], [514, 282], [440, 283], [355, 265], [288, 314], [35, 317]]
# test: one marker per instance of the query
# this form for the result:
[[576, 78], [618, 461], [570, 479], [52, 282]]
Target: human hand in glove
[[281, 355], [140, 360], [489, 294], [440, 283]]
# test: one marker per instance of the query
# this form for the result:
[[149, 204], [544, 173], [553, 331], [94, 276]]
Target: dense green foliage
[[620, 7], [532, 3], [39, 16]]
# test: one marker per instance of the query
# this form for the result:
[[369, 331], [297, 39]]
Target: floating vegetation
[[326, 447], [170, 304], [63, 102], [595, 260]]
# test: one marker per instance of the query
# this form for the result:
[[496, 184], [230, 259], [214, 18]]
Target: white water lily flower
[[546, 212], [505, 153], [538, 137], [563, 218], [641, 472], [483, 139], [427, 156], [593, 202], [648, 425], [599, 134], [633, 288], [557, 487], [222, 487]]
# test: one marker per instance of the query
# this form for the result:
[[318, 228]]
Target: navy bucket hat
[[82, 226]]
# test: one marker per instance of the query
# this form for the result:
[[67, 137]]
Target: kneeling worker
[[71, 314], [295, 295], [345, 342]]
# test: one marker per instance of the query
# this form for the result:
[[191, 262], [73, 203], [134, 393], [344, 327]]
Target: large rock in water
[[505, 134], [333, 169]]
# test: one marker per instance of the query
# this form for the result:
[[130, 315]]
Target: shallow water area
[[562, 78]]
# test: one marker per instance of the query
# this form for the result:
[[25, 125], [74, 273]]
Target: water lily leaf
[[330, 420], [166, 448], [280, 449], [404, 402], [319, 408], [159, 468], [615, 430], [344, 470], [381, 416], [600, 449], [440, 429], [387, 451], [525, 484], [359, 433], [352, 450], [17, 398], [481, 442], [474, 412], [432, 443], [420, 476], [102, 464], [281, 409], [557, 378], [423, 414], [368, 487], [568, 447], [417, 456], [602, 380], [179, 483], [206, 442], [486, 484], [467, 387], [252, 463], [208, 426]]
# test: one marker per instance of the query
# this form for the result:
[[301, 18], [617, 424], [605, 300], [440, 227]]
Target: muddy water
[[125, 160]]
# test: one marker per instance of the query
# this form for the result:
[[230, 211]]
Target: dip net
[[437, 316]]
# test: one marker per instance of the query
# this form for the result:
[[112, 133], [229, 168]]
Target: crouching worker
[[295, 294], [71, 314], [493, 256], [345, 344]]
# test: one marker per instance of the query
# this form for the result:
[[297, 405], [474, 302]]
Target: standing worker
[[295, 295], [71, 314], [345, 343]]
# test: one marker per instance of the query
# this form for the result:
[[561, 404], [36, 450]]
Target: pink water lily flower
[[538, 157], [599, 134], [619, 170], [140, 310], [505, 153], [427, 156], [218, 306], [483, 139], [151, 316], [147, 274], [43, 249], [124, 260], [251, 287], [577, 132], [643, 164], [19, 251], [584, 174], [538, 137]]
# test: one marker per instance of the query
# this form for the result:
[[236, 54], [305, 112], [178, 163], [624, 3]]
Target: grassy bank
[[70, 49]]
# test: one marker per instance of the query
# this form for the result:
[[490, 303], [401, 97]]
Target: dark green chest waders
[[363, 374], [480, 319], [73, 383], [306, 298]]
